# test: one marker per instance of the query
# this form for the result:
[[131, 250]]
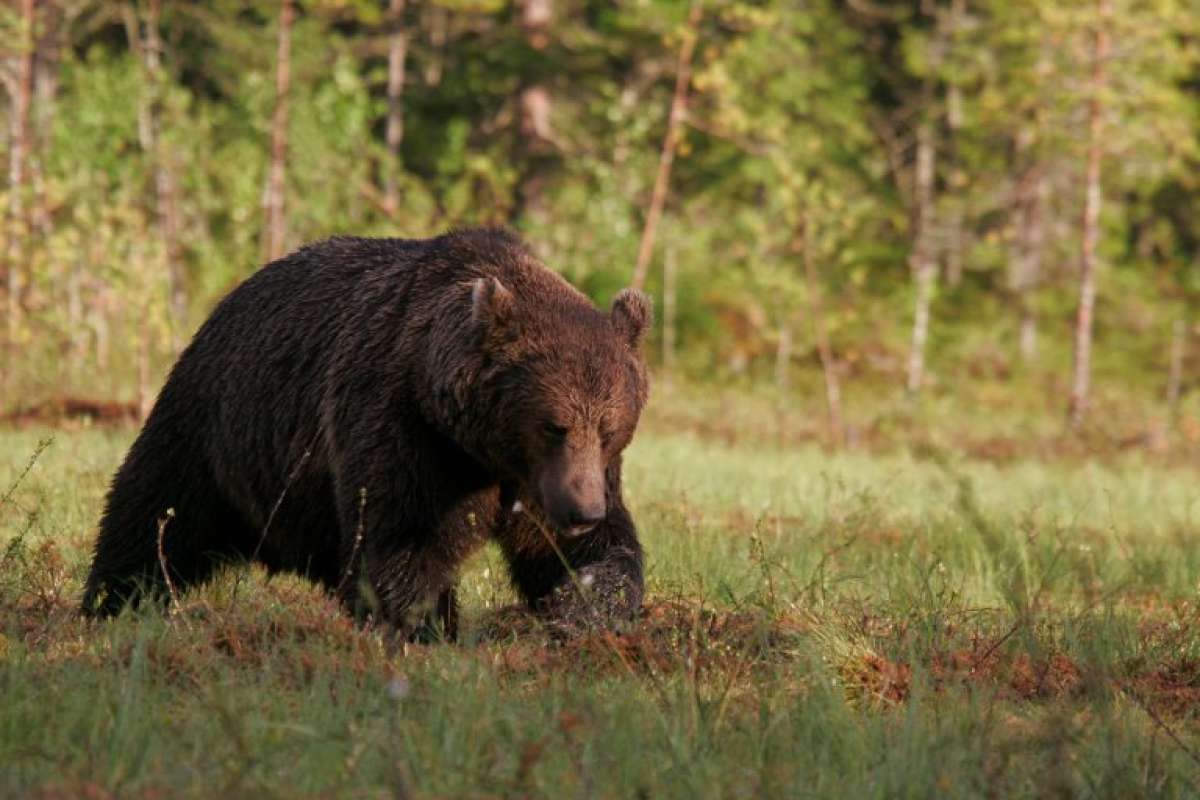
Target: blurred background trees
[[841, 199]]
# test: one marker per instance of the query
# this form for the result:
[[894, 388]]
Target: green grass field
[[910, 623]]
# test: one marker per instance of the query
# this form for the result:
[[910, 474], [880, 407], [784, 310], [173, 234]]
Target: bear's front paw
[[601, 595]]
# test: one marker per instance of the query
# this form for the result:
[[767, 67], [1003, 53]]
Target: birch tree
[[18, 173], [675, 118], [1082, 363]]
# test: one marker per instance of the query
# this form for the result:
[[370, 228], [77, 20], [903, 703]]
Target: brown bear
[[368, 412]]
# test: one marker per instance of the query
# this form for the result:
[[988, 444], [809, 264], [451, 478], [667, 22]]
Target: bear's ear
[[491, 305], [631, 314]]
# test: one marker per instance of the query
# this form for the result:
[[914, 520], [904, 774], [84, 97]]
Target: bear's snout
[[573, 497], [573, 514]]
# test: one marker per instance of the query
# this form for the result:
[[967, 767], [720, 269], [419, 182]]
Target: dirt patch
[[88, 790], [1172, 689], [1019, 675], [874, 678], [669, 636]]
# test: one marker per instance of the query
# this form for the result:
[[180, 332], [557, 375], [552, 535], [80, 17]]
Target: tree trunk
[[102, 332], [437, 22], [148, 46], [1175, 366], [1080, 384], [274, 219], [535, 103], [922, 262], [75, 318], [535, 116], [1025, 258], [674, 121], [954, 121], [669, 308], [1032, 233], [1027, 333], [397, 52], [18, 175], [536, 16], [783, 351], [954, 243], [46, 66], [164, 180], [816, 312]]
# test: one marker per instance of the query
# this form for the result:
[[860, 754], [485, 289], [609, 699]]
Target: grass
[[889, 622]]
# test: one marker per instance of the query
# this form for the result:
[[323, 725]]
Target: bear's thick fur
[[368, 412]]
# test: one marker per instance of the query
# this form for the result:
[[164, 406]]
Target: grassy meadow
[[890, 621]]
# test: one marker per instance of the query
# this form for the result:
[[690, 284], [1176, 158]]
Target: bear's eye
[[555, 433]]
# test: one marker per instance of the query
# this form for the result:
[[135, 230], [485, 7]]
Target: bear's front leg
[[595, 578], [389, 572], [410, 590]]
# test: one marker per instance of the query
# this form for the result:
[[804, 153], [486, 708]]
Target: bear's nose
[[585, 516], [582, 520]]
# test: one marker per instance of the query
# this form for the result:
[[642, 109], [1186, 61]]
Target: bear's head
[[571, 383]]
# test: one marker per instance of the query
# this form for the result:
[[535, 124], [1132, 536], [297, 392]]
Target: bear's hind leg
[[142, 542], [119, 579]]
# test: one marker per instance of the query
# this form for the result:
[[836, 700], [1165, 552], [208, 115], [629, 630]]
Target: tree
[[954, 21], [18, 172], [1082, 363], [1025, 269], [535, 105], [675, 119], [397, 52], [147, 47], [923, 259], [274, 216], [820, 327]]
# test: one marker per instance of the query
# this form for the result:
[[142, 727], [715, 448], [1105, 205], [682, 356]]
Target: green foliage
[[798, 139]]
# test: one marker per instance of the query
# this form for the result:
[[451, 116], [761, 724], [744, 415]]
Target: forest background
[[859, 204]]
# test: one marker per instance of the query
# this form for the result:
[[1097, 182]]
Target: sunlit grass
[[905, 623]]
